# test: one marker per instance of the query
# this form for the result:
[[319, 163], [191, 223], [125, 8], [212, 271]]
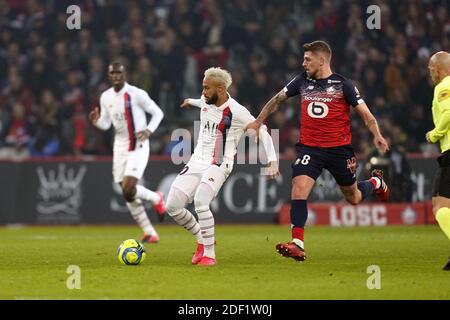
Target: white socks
[[206, 222], [187, 220], [147, 195], [176, 201], [138, 213], [377, 183], [203, 198]]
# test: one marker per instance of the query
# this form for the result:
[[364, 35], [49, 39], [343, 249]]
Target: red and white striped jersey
[[221, 129], [125, 110]]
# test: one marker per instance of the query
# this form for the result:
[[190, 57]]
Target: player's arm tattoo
[[370, 123], [271, 106]]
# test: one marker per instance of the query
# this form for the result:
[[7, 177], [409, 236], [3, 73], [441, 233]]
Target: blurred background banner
[[53, 65], [83, 192]]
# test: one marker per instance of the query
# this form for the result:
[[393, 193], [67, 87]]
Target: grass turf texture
[[35, 259]]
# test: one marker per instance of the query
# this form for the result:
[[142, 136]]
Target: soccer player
[[439, 67], [325, 138], [124, 106], [223, 121]]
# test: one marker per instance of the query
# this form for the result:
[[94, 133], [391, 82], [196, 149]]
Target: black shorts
[[442, 179], [340, 161]]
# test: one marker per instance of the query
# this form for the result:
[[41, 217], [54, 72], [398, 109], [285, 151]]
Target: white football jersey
[[221, 129], [125, 110]]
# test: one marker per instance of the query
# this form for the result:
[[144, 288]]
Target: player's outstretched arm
[[269, 108], [191, 102], [371, 123], [272, 169]]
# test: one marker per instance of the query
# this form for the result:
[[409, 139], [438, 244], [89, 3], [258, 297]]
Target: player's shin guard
[[206, 221], [176, 201], [443, 218], [299, 214], [187, 220], [138, 213], [203, 197], [366, 187]]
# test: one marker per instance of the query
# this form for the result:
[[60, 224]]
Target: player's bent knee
[[299, 193], [201, 205], [171, 208], [201, 209], [176, 201], [203, 197], [353, 200], [129, 193], [174, 211], [301, 187]]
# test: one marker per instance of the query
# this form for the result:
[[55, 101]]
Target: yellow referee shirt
[[441, 114]]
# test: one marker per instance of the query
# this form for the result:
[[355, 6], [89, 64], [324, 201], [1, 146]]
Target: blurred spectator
[[144, 75], [17, 135], [168, 44], [15, 90]]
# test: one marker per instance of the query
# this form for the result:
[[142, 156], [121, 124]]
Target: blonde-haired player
[[223, 121], [439, 67]]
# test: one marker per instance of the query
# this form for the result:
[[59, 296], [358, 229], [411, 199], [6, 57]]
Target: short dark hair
[[117, 64], [318, 45]]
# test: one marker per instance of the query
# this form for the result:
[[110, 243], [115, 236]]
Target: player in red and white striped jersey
[[124, 106], [223, 122]]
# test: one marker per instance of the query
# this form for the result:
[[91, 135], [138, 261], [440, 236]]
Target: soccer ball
[[131, 252]]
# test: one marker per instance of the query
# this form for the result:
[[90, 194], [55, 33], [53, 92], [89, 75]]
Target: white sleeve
[[149, 106], [104, 122], [245, 118], [267, 142], [197, 102]]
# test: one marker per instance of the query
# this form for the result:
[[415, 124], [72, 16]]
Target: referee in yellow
[[439, 67]]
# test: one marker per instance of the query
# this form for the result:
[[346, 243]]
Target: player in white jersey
[[124, 106], [223, 121]]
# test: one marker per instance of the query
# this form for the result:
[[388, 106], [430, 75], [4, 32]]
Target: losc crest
[[59, 194]]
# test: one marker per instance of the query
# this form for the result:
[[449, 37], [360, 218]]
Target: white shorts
[[195, 173], [130, 163]]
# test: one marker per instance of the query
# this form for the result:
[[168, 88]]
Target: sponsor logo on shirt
[[227, 120], [334, 81], [313, 98], [331, 90]]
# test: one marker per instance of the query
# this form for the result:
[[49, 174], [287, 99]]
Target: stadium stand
[[50, 77]]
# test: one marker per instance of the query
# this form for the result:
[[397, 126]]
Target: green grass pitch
[[34, 261]]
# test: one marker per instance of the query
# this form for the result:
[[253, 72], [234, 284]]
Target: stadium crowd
[[50, 77]]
